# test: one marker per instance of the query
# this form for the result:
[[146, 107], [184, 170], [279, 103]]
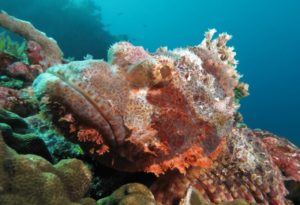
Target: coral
[[6, 60], [129, 194], [20, 70], [75, 176], [34, 52], [52, 53], [15, 70], [8, 82], [21, 102], [146, 112], [12, 48], [17, 134], [93, 37], [18, 75], [243, 170], [31, 180], [171, 112], [7, 97]]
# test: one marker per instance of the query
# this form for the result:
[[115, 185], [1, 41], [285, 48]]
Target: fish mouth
[[88, 106]]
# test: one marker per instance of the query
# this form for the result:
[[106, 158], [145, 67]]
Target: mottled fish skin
[[243, 170], [284, 154], [171, 112], [147, 112]]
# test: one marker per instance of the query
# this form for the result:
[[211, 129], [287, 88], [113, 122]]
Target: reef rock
[[22, 71], [8, 97], [21, 102], [147, 112]]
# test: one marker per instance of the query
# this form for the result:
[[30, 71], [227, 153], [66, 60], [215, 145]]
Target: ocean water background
[[266, 36]]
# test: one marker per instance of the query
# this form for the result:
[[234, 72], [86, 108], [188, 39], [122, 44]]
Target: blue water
[[266, 36]]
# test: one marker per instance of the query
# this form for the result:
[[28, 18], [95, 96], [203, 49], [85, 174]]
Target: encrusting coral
[[32, 180], [130, 194], [147, 112], [17, 134]]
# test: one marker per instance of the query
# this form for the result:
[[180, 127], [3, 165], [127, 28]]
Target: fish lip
[[111, 139]]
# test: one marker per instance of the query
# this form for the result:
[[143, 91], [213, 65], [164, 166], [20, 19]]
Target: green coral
[[241, 91], [19, 136], [9, 82], [13, 48]]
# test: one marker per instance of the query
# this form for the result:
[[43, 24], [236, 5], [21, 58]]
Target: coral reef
[[20, 70], [14, 73], [93, 37], [130, 194], [32, 180], [17, 134], [21, 63], [172, 113], [8, 97], [52, 53], [21, 102], [14, 50]]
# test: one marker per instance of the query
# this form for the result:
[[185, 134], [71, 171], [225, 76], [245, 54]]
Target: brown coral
[[32, 180], [130, 194], [8, 97]]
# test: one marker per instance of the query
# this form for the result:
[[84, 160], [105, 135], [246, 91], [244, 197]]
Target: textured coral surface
[[32, 180], [130, 194]]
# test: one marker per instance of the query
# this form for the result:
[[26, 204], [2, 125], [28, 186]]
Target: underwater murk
[[134, 128]]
